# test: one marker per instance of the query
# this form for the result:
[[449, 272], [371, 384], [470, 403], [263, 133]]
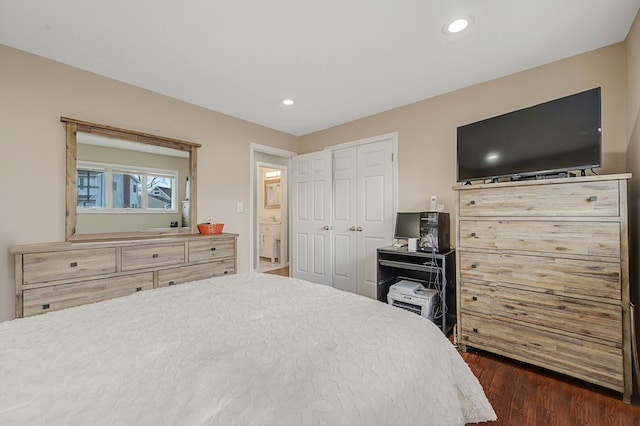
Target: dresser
[[56, 276], [542, 275]]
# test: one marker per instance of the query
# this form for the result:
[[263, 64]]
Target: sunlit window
[[116, 188]]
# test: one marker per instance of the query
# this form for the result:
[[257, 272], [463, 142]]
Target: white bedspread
[[242, 349]]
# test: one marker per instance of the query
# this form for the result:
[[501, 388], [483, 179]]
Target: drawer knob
[[172, 283], [474, 265], [138, 288], [472, 202], [73, 264], [213, 249], [474, 298], [593, 198], [46, 306], [154, 255], [473, 234]]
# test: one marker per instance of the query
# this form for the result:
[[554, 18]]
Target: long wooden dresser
[[56, 276], [542, 275]]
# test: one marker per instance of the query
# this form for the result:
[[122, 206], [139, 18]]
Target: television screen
[[552, 137], [407, 225]]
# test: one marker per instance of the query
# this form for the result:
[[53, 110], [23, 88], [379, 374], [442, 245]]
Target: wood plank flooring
[[282, 271], [524, 395]]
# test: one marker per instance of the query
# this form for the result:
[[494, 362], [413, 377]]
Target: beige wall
[[35, 92], [427, 129], [633, 163]]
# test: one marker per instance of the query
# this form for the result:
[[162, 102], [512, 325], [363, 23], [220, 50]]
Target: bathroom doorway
[[271, 204], [269, 245]]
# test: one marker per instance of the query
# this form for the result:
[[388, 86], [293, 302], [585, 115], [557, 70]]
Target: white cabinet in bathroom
[[269, 241]]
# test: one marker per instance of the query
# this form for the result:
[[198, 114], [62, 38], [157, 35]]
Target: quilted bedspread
[[248, 349]]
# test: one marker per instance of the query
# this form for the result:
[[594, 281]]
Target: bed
[[240, 349]]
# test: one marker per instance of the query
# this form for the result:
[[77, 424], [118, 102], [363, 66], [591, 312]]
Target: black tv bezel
[[543, 172], [395, 230]]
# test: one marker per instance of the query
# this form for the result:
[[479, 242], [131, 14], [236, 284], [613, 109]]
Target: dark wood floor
[[524, 395]]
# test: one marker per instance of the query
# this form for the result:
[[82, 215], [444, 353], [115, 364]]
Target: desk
[[430, 269]]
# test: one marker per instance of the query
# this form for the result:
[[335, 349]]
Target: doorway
[[269, 229], [271, 203]]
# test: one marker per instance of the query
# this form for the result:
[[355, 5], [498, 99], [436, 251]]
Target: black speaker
[[434, 232]]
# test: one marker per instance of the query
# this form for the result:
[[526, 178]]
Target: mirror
[[127, 184], [272, 194]]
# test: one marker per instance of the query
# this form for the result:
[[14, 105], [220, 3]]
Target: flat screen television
[[550, 138], [407, 225]]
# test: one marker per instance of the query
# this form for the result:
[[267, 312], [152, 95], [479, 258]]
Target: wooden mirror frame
[[267, 203], [72, 127]]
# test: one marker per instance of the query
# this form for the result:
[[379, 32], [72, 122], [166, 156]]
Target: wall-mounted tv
[[550, 138]]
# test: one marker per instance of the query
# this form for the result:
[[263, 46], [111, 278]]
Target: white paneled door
[[311, 217], [363, 213]]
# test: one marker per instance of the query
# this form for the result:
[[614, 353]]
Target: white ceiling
[[340, 59]]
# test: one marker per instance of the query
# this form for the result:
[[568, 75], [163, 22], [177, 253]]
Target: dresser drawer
[[564, 199], [598, 281], [571, 314], [149, 256], [580, 238], [60, 265], [64, 296], [211, 248], [594, 362], [189, 273]]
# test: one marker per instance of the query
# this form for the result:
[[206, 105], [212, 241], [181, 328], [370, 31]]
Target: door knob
[[353, 228], [326, 227], [359, 229]]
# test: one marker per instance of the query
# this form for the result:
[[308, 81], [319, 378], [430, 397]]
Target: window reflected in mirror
[[125, 183]]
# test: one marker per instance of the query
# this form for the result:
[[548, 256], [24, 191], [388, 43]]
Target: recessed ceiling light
[[287, 101], [457, 25]]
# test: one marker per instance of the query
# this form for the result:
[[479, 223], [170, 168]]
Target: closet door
[[363, 213], [311, 217], [345, 219], [375, 212]]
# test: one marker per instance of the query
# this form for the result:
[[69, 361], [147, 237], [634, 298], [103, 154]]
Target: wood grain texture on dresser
[[55, 276], [542, 275]]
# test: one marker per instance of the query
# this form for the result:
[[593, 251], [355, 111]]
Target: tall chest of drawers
[[56, 276], [542, 275]]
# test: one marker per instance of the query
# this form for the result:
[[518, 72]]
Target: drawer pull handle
[[138, 288], [474, 265], [172, 283], [474, 298], [226, 272], [472, 202], [73, 264], [46, 306], [213, 249], [473, 234], [475, 330], [593, 198], [154, 255]]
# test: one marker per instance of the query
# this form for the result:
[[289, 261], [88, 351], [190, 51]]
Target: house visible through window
[[90, 188], [110, 187]]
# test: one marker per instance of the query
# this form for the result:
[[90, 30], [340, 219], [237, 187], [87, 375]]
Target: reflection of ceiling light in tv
[[492, 156]]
